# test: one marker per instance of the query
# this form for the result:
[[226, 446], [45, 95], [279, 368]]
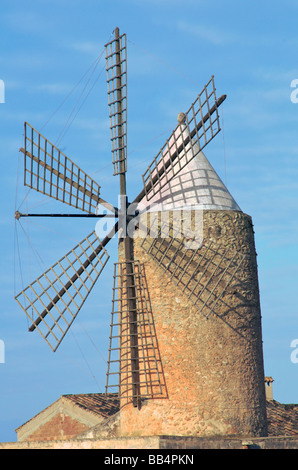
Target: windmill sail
[[138, 375], [117, 92], [49, 171], [54, 299], [197, 127], [203, 273]]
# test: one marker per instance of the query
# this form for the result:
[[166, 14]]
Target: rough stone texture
[[160, 442], [213, 367], [108, 429]]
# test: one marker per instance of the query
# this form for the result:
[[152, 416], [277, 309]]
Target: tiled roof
[[97, 403], [282, 419], [269, 380]]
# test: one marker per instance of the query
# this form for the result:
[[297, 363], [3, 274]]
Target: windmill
[[54, 299]]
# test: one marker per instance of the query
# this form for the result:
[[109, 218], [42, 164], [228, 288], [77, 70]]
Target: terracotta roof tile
[[97, 403], [269, 380], [282, 419]]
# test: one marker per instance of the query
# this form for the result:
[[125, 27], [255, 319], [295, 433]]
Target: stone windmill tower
[[186, 343], [205, 301]]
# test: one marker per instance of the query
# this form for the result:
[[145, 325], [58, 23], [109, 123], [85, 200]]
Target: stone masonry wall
[[160, 442], [60, 427], [213, 367]]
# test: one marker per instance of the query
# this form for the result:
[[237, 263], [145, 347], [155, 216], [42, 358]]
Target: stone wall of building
[[160, 442], [212, 359], [60, 427]]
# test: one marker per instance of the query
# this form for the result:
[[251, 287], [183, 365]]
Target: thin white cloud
[[33, 22], [206, 33], [54, 88], [222, 37], [275, 74], [88, 47]]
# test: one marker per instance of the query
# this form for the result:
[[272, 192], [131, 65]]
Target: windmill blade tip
[[222, 99]]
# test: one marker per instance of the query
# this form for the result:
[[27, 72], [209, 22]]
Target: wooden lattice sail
[[197, 127], [202, 271], [54, 299], [142, 372]]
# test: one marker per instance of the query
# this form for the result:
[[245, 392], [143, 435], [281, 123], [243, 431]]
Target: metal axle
[[20, 214]]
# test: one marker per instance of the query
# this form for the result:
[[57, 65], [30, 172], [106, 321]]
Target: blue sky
[[173, 49]]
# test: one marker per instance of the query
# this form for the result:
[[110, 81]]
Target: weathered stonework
[[213, 367], [160, 442]]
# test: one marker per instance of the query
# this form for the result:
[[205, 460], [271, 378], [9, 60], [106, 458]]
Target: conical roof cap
[[196, 186]]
